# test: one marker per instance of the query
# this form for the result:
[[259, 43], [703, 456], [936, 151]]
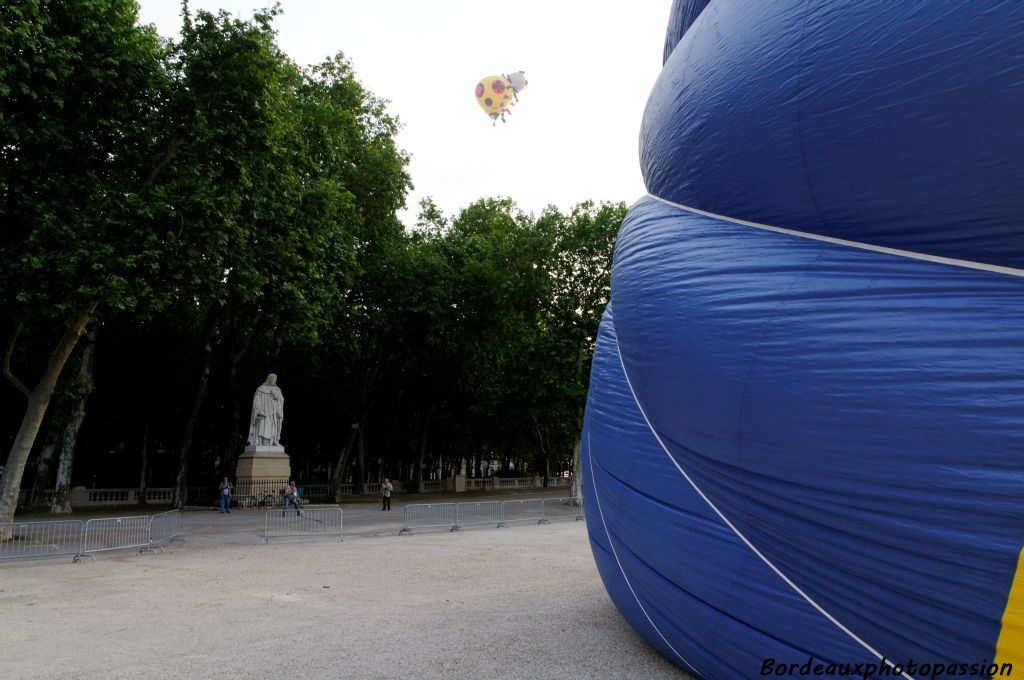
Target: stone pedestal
[[79, 497], [263, 462], [460, 483]]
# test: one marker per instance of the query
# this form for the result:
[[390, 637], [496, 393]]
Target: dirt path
[[521, 602]]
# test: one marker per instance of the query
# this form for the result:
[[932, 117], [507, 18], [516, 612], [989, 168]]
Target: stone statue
[[267, 414]]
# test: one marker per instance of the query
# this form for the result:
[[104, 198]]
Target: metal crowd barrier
[[81, 539], [165, 528], [522, 510], [478, 512], [563, 508], [116, 533], [500, 513], [428, 516], [308, 522], [41, 539]]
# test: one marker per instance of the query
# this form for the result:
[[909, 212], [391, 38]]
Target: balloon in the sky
[[496, 94]]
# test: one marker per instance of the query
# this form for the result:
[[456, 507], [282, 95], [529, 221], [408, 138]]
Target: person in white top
[[291, 496], [385, 493]]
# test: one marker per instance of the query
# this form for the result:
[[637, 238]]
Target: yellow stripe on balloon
[[1010, 646]]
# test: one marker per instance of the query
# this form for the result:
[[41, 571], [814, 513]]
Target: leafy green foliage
[[77, 141], [209, 192]]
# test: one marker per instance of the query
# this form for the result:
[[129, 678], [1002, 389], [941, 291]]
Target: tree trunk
[[576, 490], [418, 471], [576, 484], [543, 454], [547, 460], [144, 462], [180, 483], [229, 460], [360, 476], [44, 463], [348, 466], [38, 400], [343, 457], [62, 487], [234, 443]]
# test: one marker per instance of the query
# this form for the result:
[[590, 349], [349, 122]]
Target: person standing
[[385, 493], [225, 495], [291, 496]]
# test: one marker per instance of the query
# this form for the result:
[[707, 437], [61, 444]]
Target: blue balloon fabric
[[804, 439]]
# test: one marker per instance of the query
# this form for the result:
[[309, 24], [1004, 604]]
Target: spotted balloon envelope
[[497, 94]]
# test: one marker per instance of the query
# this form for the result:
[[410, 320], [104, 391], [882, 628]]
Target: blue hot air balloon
[[804, 438]]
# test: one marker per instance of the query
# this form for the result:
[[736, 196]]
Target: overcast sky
[[573, 135]]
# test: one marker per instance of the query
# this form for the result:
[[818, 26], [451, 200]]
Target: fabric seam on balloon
[[622, 570], [968, 264], [736, 531]]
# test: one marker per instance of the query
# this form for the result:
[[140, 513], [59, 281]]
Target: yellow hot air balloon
[[494, 95]]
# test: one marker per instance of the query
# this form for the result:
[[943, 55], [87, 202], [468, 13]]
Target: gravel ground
[[521, 602]]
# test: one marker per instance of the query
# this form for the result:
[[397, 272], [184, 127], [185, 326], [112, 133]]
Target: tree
[[350, 148], [83, 387], [581, 275], [228, 113], [231, 213], [79, 83], [284, 182]]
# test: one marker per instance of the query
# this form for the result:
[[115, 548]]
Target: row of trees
[[182, 217]]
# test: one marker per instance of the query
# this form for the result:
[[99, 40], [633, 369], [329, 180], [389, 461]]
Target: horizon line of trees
[[181, 218]]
